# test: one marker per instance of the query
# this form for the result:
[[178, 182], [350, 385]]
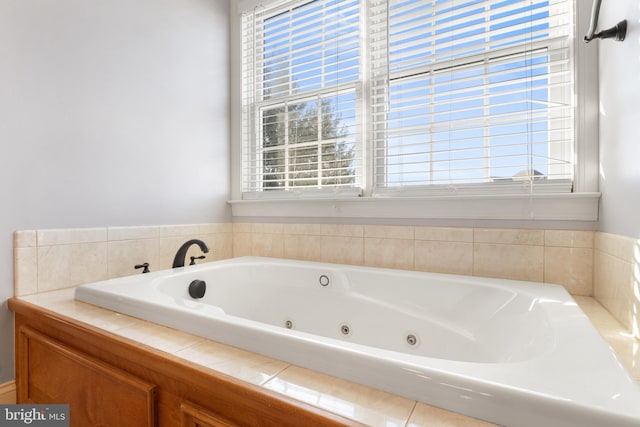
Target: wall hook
[[618, 31]]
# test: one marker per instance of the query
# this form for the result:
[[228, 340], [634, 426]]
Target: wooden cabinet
[[111, 381], [97, 394], [193, 416]]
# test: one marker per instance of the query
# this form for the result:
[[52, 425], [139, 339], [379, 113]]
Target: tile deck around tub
[[625, 345], [354, 401]]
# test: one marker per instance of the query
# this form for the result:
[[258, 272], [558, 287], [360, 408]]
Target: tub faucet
[[178, 261]]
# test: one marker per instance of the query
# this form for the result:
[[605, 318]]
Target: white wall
[[620, 121], [112, 112]]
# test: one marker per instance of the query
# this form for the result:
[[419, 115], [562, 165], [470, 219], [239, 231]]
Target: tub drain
[[345, 329]]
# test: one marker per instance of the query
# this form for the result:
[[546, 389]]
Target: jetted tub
[[510, 352]]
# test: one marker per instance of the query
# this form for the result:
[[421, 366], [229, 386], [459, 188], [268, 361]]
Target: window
[[408, 98], [473, 91], [303, 106]]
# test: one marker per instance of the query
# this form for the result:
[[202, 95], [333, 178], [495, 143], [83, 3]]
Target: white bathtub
[[513, 353]]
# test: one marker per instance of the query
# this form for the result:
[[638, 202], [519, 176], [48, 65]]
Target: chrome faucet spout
[[179, 259]]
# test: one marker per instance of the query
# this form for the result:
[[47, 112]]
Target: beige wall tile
[[92, 315], [363, 404], [388, 231], [25, 239], [68, 257], [215, 228], [389, 253], [619, 246], [220, 246], [241, 244], [342, 250], [344, 230], [70, 236], [508, 236], [445, 234], [242, 227], [570, 267], [267, 228], [305, 229], [160, 337], [133, 233], [123, 255], [65, 266], [634, 303], [25, 271], [245, 365], [614, 287], [626, 347], [444, 257], [569, 238], [178, 230], [520, 262], [267, 244], [303, 247], [600, 241], [616, 278], [425, 415]]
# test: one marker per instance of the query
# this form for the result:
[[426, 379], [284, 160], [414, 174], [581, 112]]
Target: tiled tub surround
[[46, 260], [59, 258], [616, 277], [363, 404], [552, 256]]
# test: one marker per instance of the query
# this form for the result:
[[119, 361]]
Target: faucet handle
[[194, 258], [145, 267]]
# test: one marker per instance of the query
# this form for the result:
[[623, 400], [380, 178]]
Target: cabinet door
[[194, 416], [97, 394]]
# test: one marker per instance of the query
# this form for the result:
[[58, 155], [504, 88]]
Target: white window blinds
[[404, 96], [301, 107], [468, 92]]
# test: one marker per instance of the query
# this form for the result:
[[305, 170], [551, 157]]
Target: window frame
[[579, 205]]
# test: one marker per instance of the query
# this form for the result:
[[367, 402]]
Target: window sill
[[537, 207]]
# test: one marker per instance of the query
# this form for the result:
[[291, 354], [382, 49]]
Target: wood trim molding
[[8, 393]]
